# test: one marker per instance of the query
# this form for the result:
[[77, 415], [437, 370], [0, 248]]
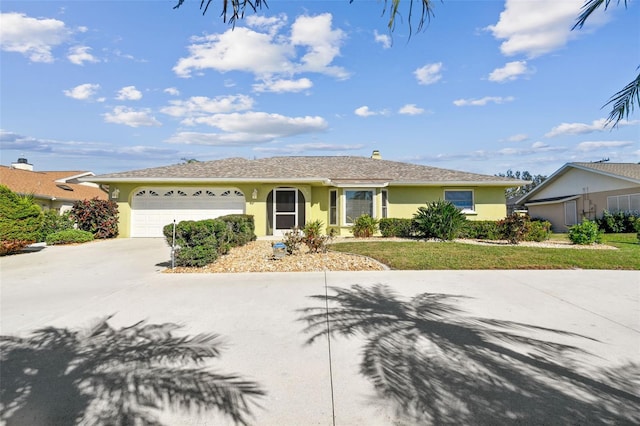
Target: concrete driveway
[[494, 347]]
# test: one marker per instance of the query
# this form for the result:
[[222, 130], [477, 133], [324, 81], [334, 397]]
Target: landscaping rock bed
[[257, 256]]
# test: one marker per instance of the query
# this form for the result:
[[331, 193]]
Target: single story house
[[284, 192], [580, 191], [52, 190]]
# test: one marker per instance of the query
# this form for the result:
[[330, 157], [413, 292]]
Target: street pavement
[[496, 347]]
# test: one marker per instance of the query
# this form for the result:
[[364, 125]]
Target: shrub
[[623, 221], [637, 227], [515, 227], [364, 226], [242, 227], [313, 238], [540, 230], [584, 233], [439, 219], [69, 236], [481, 229], [394, 227], [20, 221], [197, 241], [100, 217], [293, 239], [54, 222]]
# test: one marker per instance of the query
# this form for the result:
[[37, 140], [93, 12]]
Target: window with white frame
[[333, 207], [623, 203], [357, 202], [385, 203], [462, 199]]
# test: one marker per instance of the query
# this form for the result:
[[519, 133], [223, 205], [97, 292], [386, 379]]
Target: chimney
[[22, 164], [376, 155]]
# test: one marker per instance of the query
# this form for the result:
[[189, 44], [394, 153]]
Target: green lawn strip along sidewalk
[[452, 255]]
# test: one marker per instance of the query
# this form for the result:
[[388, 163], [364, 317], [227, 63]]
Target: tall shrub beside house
[[100, 217], [20, 221], [439, 219]]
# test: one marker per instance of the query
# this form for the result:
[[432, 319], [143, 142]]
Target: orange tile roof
[[44, 185]]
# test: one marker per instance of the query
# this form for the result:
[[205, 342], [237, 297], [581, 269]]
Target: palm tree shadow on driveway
[[439, 366], [103, 375]]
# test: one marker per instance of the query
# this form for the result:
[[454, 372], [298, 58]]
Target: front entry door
[[285, 210]]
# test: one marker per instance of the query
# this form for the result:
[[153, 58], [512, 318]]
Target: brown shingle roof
[[625, 170], [321, 168], [44, 185]]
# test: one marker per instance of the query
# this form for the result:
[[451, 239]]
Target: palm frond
[[624, 102]]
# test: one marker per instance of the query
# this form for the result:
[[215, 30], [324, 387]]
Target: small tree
[[20, 221], [100, 217], [439, 219]]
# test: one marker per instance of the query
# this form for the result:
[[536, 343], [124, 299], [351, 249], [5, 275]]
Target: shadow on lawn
[[113, 376], [440, 367]]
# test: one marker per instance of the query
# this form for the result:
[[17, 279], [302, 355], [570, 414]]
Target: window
[[570, 213], [623, 203], [356, 204], [463, 200], [385, 203], [333, 207]]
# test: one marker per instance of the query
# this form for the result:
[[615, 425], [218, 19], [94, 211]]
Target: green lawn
[[416, 255]]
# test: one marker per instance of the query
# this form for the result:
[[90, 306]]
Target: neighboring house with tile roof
[[51, 190], [580, 191], [284, 192]]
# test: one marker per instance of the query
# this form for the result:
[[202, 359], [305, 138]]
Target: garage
[[154, 207]]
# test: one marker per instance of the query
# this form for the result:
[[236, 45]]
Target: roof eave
[[184, 180], [460, 183]]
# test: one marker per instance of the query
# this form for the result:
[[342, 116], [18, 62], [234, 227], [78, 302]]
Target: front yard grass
[[451, 255]]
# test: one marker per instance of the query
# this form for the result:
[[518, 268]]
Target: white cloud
[[90, 151], [218, 139], [539, 145], [411, 109], [82, 92], [282, 86], [520, 137], [537, 27], [131, 117], [80, 54], [483, 101], [383, 39], [34, 38], [268, 126], [267, 52], [198, 106], [511, 71], [583, 128], [129, 93], [308, 147], [172, 91], [429, 74], [596, 145], [364, 111]]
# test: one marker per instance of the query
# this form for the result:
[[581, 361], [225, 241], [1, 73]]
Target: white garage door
[[153, 208]]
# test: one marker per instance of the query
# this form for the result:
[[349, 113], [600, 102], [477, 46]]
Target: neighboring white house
[[580, 191]]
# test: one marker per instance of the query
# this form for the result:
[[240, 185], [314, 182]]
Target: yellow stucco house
[[285, 192]]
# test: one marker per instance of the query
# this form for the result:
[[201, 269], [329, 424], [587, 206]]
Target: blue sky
[[488, 86]]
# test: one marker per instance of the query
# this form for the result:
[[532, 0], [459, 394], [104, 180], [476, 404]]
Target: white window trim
[[343, 203], [473, 198], [617, 198], [331, 191]]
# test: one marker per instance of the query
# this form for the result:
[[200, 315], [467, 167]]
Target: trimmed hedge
[[201, 242], [620, 222], [397, 227], [54, 222], [69, 236], [481, 230]]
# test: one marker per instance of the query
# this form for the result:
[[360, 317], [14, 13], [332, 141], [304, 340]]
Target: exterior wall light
[[115, 193], [254, 194]]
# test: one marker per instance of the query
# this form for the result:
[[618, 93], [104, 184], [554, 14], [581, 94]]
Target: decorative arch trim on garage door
[[154, 207]]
